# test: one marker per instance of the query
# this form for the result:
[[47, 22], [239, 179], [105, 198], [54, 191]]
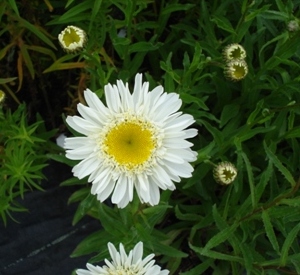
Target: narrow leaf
[[286, 173], [269, 230], [221, 237], [287, 244], [250, 179]]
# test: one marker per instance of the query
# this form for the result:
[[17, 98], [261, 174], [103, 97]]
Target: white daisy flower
[[121, 264], [137, 141], [72, 39]]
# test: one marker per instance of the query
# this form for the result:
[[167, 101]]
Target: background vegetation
[[249, 227]]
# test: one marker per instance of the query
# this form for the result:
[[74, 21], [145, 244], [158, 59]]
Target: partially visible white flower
[[225, 173], [2, 96], [236, 70], [234, 52], [137, 142], [60, 140], [293, 26], [123, 264], [72, 39]]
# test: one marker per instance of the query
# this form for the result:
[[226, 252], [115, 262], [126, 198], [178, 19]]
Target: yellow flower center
[[228, 174], [239, 71], [130, 144], [236, 53], [71, 36], [121, 270]]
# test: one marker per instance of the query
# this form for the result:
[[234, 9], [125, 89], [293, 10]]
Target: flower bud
[[72, 39], [236, 70], [234, 52], [225, 173]]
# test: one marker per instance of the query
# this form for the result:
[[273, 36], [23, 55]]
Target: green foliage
[[22, 158], [250, 226]]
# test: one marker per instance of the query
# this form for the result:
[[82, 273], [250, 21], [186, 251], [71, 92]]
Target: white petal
[[180, 123], [106, 192], [154, 194], [81, 125], [177, 143], [120, 189], [91, 115], [112, 98], [182, 170], [138, 252], [74, 142], [85, 167], [94, 102]]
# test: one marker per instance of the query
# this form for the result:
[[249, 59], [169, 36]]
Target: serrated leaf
[[144, 46], [228, 112], [288, 243], [269, 230], [295, 202], [169, 8], [199, 269], [285, 172], [84, 206], [217, 255], [223, 23], [255, 13], [168, 250], [220, 237], [187, 98], [250, 179], [93, 243]]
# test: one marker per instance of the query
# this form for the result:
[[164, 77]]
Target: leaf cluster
[[22, 158]]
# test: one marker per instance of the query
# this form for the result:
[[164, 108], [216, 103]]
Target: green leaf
[[169, 8], [187, 98], [73, 13], [111, 220], [95, 10], [14, 6], [217, 255], [295, 202], [27, 60], [256, 12], [293, 133], [269, 230], [95, 242], [144, 46], [288, 243], [84, 206], [285, 172], [217, 135], [223, 23], [37, 32], [250, 180], [186, 216], [168, 250], [253, 116], [199, 269], [228, 112], [7, 80], [220, 237]]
